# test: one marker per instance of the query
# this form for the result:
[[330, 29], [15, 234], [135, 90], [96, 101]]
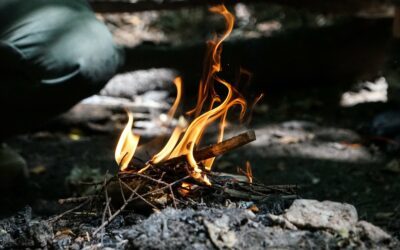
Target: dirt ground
[[327, 150]]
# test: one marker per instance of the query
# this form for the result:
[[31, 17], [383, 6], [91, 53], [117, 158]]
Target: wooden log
[[216, 149]]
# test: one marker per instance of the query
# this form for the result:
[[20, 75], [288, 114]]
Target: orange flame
[[248, 172], [212, 61], [185, 139], [178, 84], [127, 144]]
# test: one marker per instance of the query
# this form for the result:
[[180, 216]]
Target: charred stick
[[56, 218], [76, 199], [215, 150], [111, 218], [138, 195], [130, 199]]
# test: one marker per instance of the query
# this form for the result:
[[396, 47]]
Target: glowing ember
[[185, 188], [185, 139]]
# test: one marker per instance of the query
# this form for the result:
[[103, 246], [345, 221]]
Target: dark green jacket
[[53, 53]]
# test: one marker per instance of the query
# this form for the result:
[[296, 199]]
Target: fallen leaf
[[75, 134], [64, 232], [254, 209], [383, 215], [290, 139], [162, 200], [393, 166], [40, 169]]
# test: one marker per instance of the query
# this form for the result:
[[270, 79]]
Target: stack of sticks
[[170, 183]]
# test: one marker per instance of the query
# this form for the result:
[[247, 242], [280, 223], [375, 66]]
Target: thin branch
[[132, 198], [122, 191], [75, 199], [141, 197], [56, 218], [111, 218]]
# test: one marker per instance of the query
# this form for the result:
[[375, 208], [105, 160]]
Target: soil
[[328, 151]]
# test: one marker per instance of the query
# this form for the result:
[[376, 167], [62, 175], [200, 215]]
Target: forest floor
[[327, 150]]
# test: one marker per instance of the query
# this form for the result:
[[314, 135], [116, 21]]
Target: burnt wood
[[215, 149]]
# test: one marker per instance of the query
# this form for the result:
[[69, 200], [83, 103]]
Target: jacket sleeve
[[53, 53]]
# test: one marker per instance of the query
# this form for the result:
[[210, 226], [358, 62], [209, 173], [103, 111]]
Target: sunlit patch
[[367, 92]]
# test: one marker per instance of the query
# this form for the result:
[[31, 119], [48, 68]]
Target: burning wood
[[181, 174], [180, 159], [216, 149]]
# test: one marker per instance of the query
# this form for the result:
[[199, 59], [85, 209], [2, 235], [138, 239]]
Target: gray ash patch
[[305, 224], [21, 231]]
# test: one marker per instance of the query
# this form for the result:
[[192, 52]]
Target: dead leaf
[[393, 166], [383, 215], [39, 169], [65, 232], [254, 209], [351, 145], [75, 134], [162, 200], [289, 139]]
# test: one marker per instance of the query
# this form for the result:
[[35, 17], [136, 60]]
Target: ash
[[234, 225]]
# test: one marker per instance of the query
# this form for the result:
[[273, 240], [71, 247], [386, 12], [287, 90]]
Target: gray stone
[[130, 84], [373, 233], [322, 215]]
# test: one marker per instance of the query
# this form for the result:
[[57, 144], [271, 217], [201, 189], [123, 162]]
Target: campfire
[[180, 174], [181, 161], [211, 107]]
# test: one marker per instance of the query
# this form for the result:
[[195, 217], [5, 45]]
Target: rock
[[371, 232], [13, 170], [220, 234], [330, 134], [278, 238], [387, 123], [299, 125], [312, 214], [134, 83]]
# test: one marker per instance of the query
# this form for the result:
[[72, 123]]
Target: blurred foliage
[[186, 24], [252, 20], [79, 178]]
